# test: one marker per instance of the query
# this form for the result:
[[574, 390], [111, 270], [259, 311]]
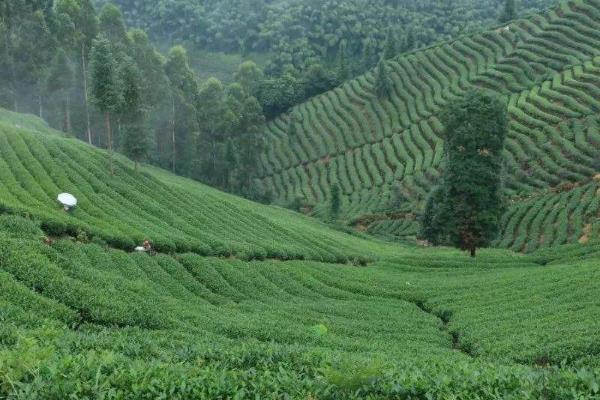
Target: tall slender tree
[[79, 24], [60, 82], [343, 67], [135, 138], [106, 91], [184, 121], [251, 145]]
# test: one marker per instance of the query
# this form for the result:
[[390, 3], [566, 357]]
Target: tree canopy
[[465, 210]]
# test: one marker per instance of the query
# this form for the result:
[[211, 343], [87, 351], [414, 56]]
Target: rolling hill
[[388, 151], [37, 163], [210, 316]]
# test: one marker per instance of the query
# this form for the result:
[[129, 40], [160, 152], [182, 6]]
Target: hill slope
[[175, 213], [87, 320], [548, 68]]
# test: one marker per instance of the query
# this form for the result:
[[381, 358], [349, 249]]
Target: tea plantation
[[387, 151], [249, 301], [37, 163]]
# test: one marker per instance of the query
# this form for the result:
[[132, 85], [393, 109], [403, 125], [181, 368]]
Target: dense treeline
[[86, 74], [82, 70], [305, 35]]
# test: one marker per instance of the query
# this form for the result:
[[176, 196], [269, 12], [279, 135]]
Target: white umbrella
[[67, 200]]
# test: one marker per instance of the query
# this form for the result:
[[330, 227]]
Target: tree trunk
[[67, 114], [85, 94], [173, 136], [117, 137], [473, 251], [109, 141], [13, 82], [41, 106]]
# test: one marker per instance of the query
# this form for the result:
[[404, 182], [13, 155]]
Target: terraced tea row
[[546, 66], [430, 314], [175, 213]]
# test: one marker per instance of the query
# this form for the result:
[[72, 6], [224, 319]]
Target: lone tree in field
[[106, 93], [465, 210], [509, 12], [383, 82]]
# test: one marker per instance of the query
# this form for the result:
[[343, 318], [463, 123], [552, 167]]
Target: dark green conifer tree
[[465, 210], [106, 90]]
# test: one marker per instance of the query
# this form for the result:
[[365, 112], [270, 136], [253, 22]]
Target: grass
[[84, 317], [547, 67]]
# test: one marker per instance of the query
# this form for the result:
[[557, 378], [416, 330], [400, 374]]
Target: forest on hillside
[[299, 32], [93, 69]]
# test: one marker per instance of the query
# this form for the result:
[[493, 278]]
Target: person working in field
[[146, 247]]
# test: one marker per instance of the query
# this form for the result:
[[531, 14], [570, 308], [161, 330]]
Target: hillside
[[82, 318], [312, 30], [176, 213], [384, 152]]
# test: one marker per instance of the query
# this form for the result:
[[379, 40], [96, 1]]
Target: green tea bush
[[20, 226]]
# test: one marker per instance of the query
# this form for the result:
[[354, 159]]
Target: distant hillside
[[179, 215], [299, 32], [388, 152]]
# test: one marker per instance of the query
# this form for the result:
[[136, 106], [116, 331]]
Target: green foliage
[[383, 82], [509, 12], [350, 375], [86, 320], [279, 94], [465, 210], [81, 321], [20, 226], [435, 219], [178, 215], [371, 145], [112, 25], [106, 86], [390, 50], [335, 202], [249, 76], [60, 76]]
